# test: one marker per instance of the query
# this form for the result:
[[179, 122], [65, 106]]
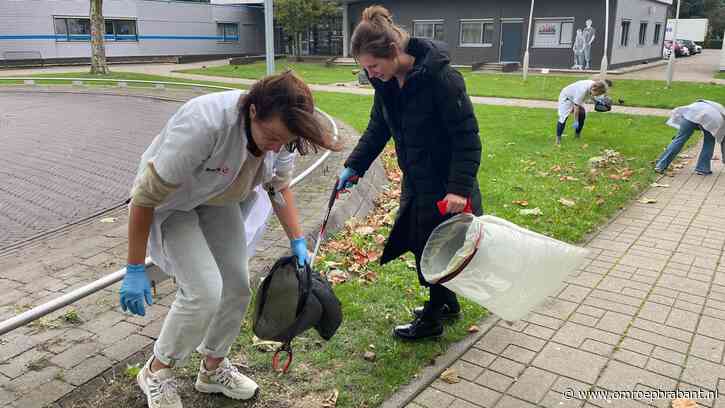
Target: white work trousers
[[208, 252]]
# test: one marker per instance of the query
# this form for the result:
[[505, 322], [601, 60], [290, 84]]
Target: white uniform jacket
[[201, 149]]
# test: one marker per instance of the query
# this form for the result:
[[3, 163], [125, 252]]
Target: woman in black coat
[[422, 103]]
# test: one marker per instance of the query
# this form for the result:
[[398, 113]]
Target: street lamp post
[[605, 58], [269, 34], [671, 61], [528, 41]]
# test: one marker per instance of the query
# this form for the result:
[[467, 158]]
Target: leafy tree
[[713, 10], [98, 29], [297, 16]]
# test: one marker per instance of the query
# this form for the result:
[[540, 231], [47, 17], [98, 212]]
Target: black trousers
[[580, 118]]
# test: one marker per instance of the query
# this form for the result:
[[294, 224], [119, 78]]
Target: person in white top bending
[[707, 116], [185, 207], [571, 101]]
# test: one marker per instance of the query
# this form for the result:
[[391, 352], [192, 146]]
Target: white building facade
[[60, 30]]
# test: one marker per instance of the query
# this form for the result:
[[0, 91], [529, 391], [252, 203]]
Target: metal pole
[[269, 34], [528, 41], [345, 31], [605, 58], [671, 61]]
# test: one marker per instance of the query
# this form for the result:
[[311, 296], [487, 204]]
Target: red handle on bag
[[443, 207]]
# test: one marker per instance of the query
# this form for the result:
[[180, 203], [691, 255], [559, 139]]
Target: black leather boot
[[419, 329], [446, 312]]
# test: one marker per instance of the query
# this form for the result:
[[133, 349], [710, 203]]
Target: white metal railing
[[100, 284]]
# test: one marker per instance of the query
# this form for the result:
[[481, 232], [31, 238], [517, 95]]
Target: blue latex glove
[[135, 289], [299, 249], [575, 126], [348, 178]]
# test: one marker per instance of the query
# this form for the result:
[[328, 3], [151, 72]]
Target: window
[[656, 39], [476, 33], [642, 33], [432, 30], [553, 32], [624, 40], [79, 29], [121, 30], [227, 32]]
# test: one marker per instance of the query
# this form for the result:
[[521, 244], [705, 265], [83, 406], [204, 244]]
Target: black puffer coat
[[436, 138]]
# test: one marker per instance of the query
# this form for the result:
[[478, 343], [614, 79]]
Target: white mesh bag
[[505, 268]]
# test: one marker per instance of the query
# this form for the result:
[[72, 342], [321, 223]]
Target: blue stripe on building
[[84, 37]]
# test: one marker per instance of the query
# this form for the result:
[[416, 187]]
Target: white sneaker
[[160, 387], [227, 380]]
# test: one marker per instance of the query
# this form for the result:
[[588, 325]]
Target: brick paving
[[646, 312], [65, 156], [74, 345]]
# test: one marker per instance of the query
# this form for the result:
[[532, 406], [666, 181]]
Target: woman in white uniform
[[707, 116], [185, 203], [571, 101]]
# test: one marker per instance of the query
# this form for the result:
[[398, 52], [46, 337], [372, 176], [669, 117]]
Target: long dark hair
[[286, 96]]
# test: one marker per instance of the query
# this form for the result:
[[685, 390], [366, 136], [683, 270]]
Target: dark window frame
[[224, 37], [643, 27], [483, 23], [436, 23], [624, 34], [85, 35], [656, 37]]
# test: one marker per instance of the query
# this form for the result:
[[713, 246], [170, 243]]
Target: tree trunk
[[98, 29]]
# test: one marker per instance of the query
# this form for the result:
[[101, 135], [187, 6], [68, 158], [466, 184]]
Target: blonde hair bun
[[377, 15]]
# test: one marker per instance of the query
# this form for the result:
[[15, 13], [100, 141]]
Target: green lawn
[[314, 73], [647, 93], [720, 75], [520, 162], [112, 77]]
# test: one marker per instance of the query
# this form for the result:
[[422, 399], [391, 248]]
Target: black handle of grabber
[[287, 348]]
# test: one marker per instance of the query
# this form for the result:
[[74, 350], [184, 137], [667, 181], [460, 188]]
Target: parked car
[[685, 50], [691, 46], [679, 51]]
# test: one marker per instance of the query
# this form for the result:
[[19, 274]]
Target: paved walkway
[[646, 313]]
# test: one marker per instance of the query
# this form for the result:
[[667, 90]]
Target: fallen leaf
[[365, 230], [585, 146], [265, 345], [331, 401], [590, 188], [108, 220], [474, 329], [645, 200], [683, 403], [555, 168], [531, 211], [567, 202], [615, 177], [337, 277], [684, 156], [369, 356], [370, 276], [600, 201], [660, 185], [379, 239], [450, 376], [679, 166], [568, 178], [522, 203]]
